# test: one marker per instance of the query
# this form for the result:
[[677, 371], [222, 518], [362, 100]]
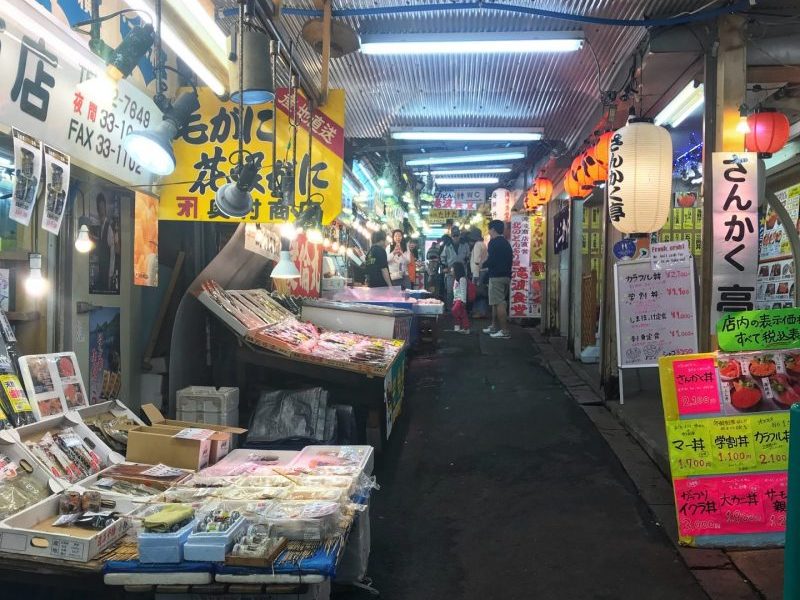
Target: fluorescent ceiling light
[[174, 41], [472, 43], [466, 180], [467, 134], [191, 10], [685, 103], [455, 158], [476, 171]]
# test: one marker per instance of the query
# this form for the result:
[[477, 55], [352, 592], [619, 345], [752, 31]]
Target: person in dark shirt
[[377, 264], [499, 272]]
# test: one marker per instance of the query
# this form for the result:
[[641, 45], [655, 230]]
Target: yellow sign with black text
[[207, 151]]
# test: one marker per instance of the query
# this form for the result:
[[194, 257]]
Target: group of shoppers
[[457, 266]]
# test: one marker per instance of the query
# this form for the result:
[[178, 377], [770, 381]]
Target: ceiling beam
[[773, 73]]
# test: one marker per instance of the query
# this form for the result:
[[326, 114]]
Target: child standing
[[459, 309]]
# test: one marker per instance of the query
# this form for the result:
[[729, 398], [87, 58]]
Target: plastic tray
[[361, 456]]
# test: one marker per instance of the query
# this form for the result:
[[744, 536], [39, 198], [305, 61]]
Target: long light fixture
[[455, 158], [173, 40], [476, 171], [472, 43], [684, 104], [468, 134], [466, 180]]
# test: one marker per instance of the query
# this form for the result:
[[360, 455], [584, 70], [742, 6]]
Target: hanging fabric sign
[[206, 152], [561, 230], [735, 209], [521, 266], [538, 232], [27, 175], [145, 240], [56, 172]]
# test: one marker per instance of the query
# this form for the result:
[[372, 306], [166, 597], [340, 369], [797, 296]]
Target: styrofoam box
[[35, 431], [201, 404], [17, 533], [164, 547], [212, 547]]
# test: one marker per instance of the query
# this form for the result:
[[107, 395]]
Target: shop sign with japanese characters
[[520, 267], [466, 199], [538, 231], [735, 208], [207, 151], [760, 329], [727, 425], [561, 230], [442, 215], [39, 95], [655, 312]]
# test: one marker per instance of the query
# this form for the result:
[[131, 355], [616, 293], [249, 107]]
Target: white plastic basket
[[202, 404]]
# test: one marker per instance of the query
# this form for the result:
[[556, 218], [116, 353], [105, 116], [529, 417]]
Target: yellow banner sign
[[442, 215], [207, 151]]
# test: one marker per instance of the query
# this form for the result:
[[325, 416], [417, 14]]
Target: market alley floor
[[496, 485]]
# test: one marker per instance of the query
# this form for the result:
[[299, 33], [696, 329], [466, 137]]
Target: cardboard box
[[31, 532], [156, 443]]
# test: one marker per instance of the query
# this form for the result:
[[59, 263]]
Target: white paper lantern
[[501, 204], [640, 178]]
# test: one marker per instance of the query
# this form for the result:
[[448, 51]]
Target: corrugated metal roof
[[556, 91]]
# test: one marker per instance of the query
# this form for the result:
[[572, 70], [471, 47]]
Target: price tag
[[194, 433], [160, 470], [732, 441], [771, 438], [689, 448]]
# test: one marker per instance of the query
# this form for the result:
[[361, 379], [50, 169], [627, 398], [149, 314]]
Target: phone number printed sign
[[727, 429]]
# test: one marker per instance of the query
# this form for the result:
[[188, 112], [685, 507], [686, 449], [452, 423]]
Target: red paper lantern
[[543, 189], [602, 150], [769, 132]]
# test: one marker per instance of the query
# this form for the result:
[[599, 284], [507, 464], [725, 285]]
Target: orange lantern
[[572, 187], [581, 174], [596, 171], [602, 151], [543, 189], [769, 132], [531, 201]]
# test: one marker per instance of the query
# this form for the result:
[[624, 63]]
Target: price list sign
[[727, 425], [655, 312]]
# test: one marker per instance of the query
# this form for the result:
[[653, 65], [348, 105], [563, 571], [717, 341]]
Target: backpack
[[472, 291]]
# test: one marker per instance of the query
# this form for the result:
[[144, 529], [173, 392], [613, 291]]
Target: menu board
[[775, 282], [655, 312], [53, 382], [727, 423]]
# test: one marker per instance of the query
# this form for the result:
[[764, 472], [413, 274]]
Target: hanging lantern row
[[539, 193], [589, 168]]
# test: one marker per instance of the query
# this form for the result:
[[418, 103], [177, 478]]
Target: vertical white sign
[[735, 210], [27, 175], [56, 172], [521, 266]]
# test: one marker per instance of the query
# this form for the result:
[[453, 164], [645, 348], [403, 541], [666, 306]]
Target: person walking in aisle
[[457, 251], [460, 299], [478, 273], [398, 260], [432, 270], [412, 254], [498, 265], [376, 264]]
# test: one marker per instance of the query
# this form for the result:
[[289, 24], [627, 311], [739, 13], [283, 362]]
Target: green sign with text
[[759, 329]]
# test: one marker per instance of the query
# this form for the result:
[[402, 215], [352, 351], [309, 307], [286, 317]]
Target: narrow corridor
[[497, 485]]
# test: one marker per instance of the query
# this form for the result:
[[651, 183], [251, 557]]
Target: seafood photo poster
[[105, 360]]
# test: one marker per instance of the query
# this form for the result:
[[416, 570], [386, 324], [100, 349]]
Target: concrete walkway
[[496, 484]]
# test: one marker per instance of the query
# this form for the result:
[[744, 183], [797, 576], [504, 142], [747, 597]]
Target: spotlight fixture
[[254, 83], [153, 148], [285, 269], [234, 199]]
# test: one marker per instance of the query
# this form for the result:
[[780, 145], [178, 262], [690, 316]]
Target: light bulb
[[335, 246], [35, 285], [101, 90], [288, 230], [326, 243], [314, 236], [743, 126], [83, 243], [342, 250]]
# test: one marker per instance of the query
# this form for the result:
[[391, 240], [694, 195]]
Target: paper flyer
[[53, 383], [27, 176], [56, 172]]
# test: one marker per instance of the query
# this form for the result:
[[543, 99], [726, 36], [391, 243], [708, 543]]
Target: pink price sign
[[696, 386], [731, 504]]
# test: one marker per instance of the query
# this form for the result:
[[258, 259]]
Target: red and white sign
[[466, 199], [308, 259], [501, 204], [520, 267]]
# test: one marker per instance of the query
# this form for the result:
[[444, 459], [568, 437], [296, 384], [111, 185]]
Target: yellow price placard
[[732, 441], [690, 452], [771, 438]]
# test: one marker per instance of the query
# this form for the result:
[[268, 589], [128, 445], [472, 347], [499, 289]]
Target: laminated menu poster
[[655, 312], [53, 383], [727, 423]]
